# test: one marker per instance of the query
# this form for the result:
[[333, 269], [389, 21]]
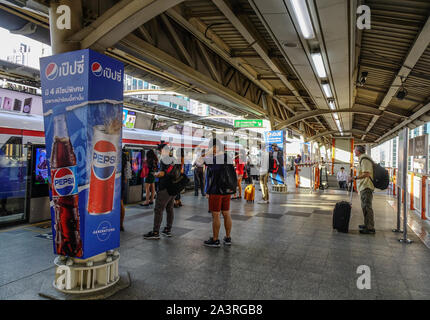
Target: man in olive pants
[[264, 175], [365, 187]]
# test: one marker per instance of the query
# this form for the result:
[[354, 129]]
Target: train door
[[135, 157], [13, 179], [38, 187]]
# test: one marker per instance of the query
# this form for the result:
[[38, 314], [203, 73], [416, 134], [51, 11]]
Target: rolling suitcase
[[250, 193], [342, 214]]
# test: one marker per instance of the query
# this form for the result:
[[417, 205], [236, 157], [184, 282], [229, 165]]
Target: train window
[[13, 180]]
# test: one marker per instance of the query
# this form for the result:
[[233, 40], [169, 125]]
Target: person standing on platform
[[219, 201], [125, 176], [178, 202], [264, 175], [342, 177], [199, 173], [365, 188], [240, 167], [164, 200], [152, 164]]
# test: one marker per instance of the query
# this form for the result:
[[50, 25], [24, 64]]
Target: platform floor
[[285, 250]]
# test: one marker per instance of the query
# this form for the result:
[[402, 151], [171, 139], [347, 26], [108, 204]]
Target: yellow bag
[[250, 193]]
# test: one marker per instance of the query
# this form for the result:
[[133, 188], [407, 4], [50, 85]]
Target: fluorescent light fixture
[[327, 90], [319, 64], [336, 116], [332, 105], [303, 18]]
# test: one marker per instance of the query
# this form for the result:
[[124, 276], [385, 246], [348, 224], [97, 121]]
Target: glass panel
[[13, 180]]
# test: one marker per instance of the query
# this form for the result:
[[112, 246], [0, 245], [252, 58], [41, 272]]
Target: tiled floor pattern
[[284, 250]]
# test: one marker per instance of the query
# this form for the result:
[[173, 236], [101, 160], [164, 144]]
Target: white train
[[30, 129], [23, 187]]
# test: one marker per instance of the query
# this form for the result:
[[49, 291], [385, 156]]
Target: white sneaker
[[263, 202]]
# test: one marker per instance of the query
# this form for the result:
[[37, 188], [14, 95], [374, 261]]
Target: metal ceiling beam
[[258, 47], [178, 42], [422, 111], [314, 113], [120, 20], [416, 51], [325, 133], [173, 65], [219, 47]]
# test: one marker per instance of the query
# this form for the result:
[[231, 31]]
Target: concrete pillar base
[[47, 290]]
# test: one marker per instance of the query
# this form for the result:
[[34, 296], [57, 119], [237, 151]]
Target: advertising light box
[[82, 95]]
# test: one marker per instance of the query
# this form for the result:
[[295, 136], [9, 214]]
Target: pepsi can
[[103, 170]]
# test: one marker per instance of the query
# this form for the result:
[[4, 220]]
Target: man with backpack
[[221, 182], [365, 187], [170, 170]]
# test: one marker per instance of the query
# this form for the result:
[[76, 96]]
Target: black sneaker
[[227, 241], [145, 204], [166, 232], [367, 231], [151, 235], [212, 243], [362, 226]]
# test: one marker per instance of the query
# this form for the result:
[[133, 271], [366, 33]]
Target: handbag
[[227, 180], [176, 186], [145, 170]]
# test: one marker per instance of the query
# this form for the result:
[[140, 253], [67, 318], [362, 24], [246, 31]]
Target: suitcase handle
[[352, 191]]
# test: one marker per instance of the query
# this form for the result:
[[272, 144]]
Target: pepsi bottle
[[64, 189]]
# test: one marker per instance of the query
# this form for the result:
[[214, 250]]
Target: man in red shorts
[[219, 194]]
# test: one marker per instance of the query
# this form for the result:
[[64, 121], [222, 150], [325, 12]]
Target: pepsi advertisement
[[82, 93]]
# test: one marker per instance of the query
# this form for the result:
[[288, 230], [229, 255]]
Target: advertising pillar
[[82, 94], [275, 143]]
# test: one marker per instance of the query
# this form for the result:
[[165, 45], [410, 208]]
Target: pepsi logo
[[96, 69], [64, 181], [51, 71], [104, 159]]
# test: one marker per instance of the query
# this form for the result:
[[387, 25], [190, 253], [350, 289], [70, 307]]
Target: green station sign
[[248, 123]]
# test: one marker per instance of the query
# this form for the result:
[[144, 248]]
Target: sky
[[12, 41]]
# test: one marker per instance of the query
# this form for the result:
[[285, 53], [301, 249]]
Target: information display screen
[[130, 119], [41, 167]]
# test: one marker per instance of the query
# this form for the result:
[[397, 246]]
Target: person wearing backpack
[[365, 187], [221, 183], [199, 173], [149, 167], [164, 200]]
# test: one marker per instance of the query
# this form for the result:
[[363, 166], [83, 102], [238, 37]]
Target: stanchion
[[399, 210], [405, 224]]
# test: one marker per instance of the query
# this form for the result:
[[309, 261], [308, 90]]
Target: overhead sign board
[[248, 123], [274, 137], [420, 145]]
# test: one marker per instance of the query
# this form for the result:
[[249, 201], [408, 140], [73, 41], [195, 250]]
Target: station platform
[[284, 250]]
